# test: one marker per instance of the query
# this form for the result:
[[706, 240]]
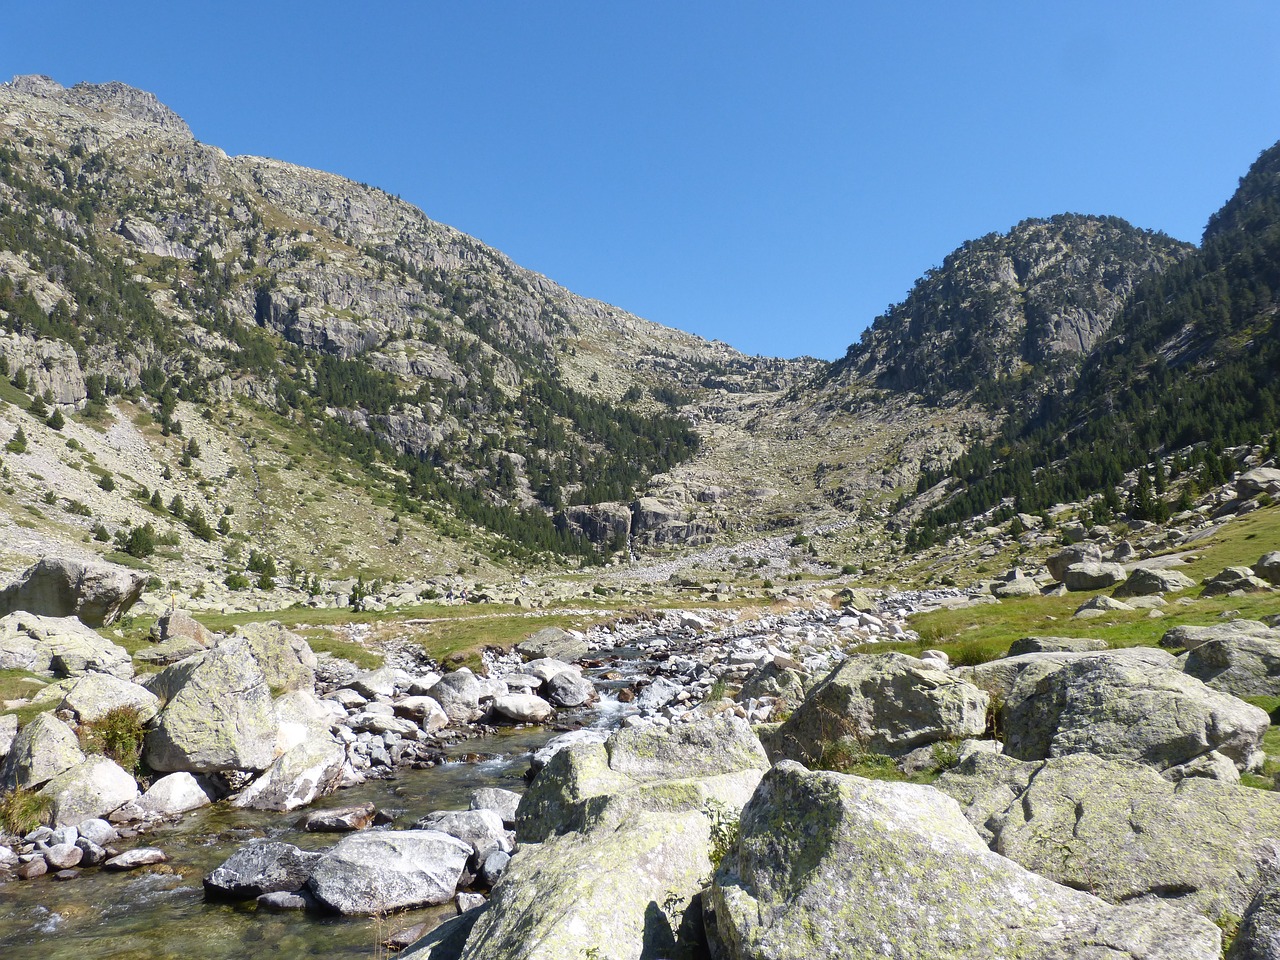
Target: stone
[[545, 668], [91, 854], [95, 593], [97, 831], [1017, 587], [94, 695], [1100, 606], [384, 870], [1093, 576], [998, 677], [1190, 637], [1143, 583], [1211, 765], [63, 856], [657, 694], [178, 624], [217, 715], [135, 858], [554, 643], [523, 708], [43, 749], [1125, 833], [424, 711], [91, 789], [1123, 709], [1243, 666], [376, 684], [887, 704], [1234, 579], [866, 860], [261, 867], [447, 941], [37, 867], [1259, 935], [171, 651], [770, 679], [458, 694], [568, 690], [481, 830], [1076, 553], [567, 896], [62, 646], [502, 802], [169, 796], [1268, 568], [1054, 645], [8, 733], [494, 866], [305, 772], [284, 901], [286, 660], [340, 820]]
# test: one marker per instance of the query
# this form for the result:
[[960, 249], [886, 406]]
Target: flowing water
[[160, 913]]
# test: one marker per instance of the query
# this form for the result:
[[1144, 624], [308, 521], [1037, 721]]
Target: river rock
[[261, 867], [218, 714], [385, 870], [285, 659], [340, 820], [553, 643], [285, 902], [95, 593], [569, 689], [63, 856], [424, 711], [481, 830], [458, 694], [97, 830], [656, 694], [1144, 583], [1055, 645], [43, 749], [304, 773], [1093, 576], [494, 866], [1242, 666], [91, 789], [1190, 637], [62, 646], [1259, 935], [447, 941], [502, 802], [376, 684], [169, 796], [523, 708], [546, 668], [1123, 709], [771, 679], [1125, 833], [96, 694], [36, 867], [888, 704], [135, 858], [827, 859]]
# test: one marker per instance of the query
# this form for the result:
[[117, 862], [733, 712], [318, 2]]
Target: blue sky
[[769, 174]]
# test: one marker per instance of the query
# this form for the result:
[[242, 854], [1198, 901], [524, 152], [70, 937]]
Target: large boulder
[[1259, 935], [1243, 666], [1190, 637], [1086, 552], [1123, 709], [309, 761], [569, 689], [96, 694], [261, 867], [1123, 832], [385, 870], [775, 679], [458, 694], [178, 624], [833, 865], [169, 796], [96, 593], [285, 658], [626, 893], [1234, 580], [62, 646], [1093, 576], [1268, 568], [523, 708], [694, 766], [1145, 583], [44, 748], [481, 830], [888, 704], [217, 714], [89, 790], [1055, 645], [554, 643], [998, 677]]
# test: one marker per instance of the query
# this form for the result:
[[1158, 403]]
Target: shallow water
[[160, 913]]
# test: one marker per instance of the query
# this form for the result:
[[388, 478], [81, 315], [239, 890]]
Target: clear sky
[[770, 174]]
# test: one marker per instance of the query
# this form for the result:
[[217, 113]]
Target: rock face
[[42, 750], [889, 704], [91, 789], [96, 593], [217, 714], [62, 646], [825, 859], [1243, 666], [1123, 709], [1123, 832], [384, 870]]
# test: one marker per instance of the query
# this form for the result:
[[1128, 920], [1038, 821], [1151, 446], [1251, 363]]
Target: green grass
[[17, 685], [324, 641], [11, 394], [22, 810]]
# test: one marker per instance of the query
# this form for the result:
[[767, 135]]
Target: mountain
[[1006, 311]]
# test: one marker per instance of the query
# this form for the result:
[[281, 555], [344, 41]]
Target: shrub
[[56, 420], [17, 443], [107, 482], [117, 734], [22, 810]]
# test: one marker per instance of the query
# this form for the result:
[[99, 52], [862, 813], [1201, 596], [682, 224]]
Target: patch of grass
[[323, 641], [117, 734], [11, 394], [22, 810], [19, 684]]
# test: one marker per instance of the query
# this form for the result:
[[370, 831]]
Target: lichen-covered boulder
[[502, 802], [1123, 709], [43, 748], [261, 867], [217, 714], [481, 830], [1259, 935], [771, 679], [1055, 645], [1093, 576], [95, 593], [286, 660], [888, 704], [445, 942], [998, 677], [1234, 580], [95, 694], [384, 870], [178, 624], [694, 766], [1243, 666], [1124, 832], [89, 790], [1069, 556], [309, 759], [1145, 583], [833, 865], [555, 643], [62, 646], [626, 893]]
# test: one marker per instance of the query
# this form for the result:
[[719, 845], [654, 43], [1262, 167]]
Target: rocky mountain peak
[[1256, 203], [112, 104]]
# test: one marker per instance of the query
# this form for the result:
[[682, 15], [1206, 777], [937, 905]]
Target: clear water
[[160, 913]]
